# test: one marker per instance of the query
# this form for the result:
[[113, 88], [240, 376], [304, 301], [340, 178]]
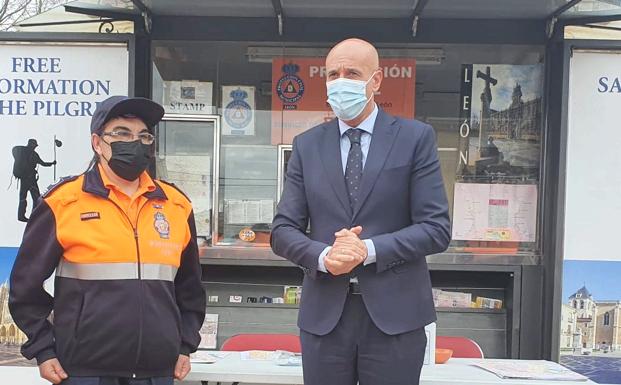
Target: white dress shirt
[[365, 142]]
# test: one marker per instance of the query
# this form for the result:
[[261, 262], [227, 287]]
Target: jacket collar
[[93, 183]]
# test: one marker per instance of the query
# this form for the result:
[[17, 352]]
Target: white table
[[232, 369], [456, 371], [21, 375]]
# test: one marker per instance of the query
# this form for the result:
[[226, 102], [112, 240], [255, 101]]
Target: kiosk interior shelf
[[246, 299]]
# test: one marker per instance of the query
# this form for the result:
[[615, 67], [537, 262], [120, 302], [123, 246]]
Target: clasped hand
[[347, 252]]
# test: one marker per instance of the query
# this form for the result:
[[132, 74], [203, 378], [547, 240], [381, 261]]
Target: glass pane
[[236, 85], [247, 194], [593, 8], [491, 154], [268, 92], [185, 157]]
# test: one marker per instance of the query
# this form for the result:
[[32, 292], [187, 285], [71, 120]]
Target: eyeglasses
[[126, 136]]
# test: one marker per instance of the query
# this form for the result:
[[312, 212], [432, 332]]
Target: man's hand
[[347, 252], [183, 367], [52, 371]]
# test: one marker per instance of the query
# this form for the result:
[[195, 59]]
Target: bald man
[[371, 187]]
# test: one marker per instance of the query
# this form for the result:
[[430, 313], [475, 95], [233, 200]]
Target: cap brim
[[147, 110]]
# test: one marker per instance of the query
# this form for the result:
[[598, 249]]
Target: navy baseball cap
[[145, 109]]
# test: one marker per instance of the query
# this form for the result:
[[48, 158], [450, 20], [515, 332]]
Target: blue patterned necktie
[[353, 170]]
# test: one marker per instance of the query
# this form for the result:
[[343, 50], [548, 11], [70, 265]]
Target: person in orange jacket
[[128, 301]]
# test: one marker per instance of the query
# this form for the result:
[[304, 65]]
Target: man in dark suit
[[370, 185]]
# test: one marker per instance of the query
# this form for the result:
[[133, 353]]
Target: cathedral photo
[[505, 121], [11, 338]]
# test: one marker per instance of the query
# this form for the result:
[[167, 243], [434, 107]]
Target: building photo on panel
[[591, 319]]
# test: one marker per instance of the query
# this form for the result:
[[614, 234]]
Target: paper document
[[209, 332], [253, 212], [443, 298], [495, 212], [285, 358], [267, 210], [236, 211], [257, 355], [207, 357], [530, 370], [203, 357]]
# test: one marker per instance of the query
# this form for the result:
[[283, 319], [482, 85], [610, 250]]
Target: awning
[[569, 12]]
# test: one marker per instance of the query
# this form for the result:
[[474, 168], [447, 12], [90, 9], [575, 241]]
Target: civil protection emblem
[[247, 235], [290, 88], [238, 113], [161, 225]]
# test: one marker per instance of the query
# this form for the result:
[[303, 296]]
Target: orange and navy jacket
[[128, 297]]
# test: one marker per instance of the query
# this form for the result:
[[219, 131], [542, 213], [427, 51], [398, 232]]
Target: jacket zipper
[[139, 349], [135, 229]]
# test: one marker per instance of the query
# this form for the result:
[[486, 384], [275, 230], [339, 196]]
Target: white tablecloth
[[233, 369], [456, 371]]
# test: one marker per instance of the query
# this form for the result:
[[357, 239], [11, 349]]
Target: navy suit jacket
[[402, 208]]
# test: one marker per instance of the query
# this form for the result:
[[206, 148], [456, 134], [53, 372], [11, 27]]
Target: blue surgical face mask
[[348, 97]]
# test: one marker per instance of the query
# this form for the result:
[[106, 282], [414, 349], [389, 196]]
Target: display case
[[246, 192], [186, 155]]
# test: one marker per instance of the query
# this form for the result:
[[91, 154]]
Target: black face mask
[[129, 159]]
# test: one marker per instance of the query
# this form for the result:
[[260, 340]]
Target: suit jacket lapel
[[384, 134], [330, 155]]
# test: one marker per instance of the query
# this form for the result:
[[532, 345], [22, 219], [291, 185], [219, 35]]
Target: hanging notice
[[188, 97], [299, 93], [495, 212], [500, 121], [48, 93], [238, 110]]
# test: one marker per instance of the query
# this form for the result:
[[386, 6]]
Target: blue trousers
[[117, 381]]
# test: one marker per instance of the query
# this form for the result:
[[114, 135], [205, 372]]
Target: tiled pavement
[[603, 370], [10, 356]]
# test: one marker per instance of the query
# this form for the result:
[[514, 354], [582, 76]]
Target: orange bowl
[[443, 355]]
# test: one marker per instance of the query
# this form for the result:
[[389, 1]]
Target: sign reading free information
[[48, 91]]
